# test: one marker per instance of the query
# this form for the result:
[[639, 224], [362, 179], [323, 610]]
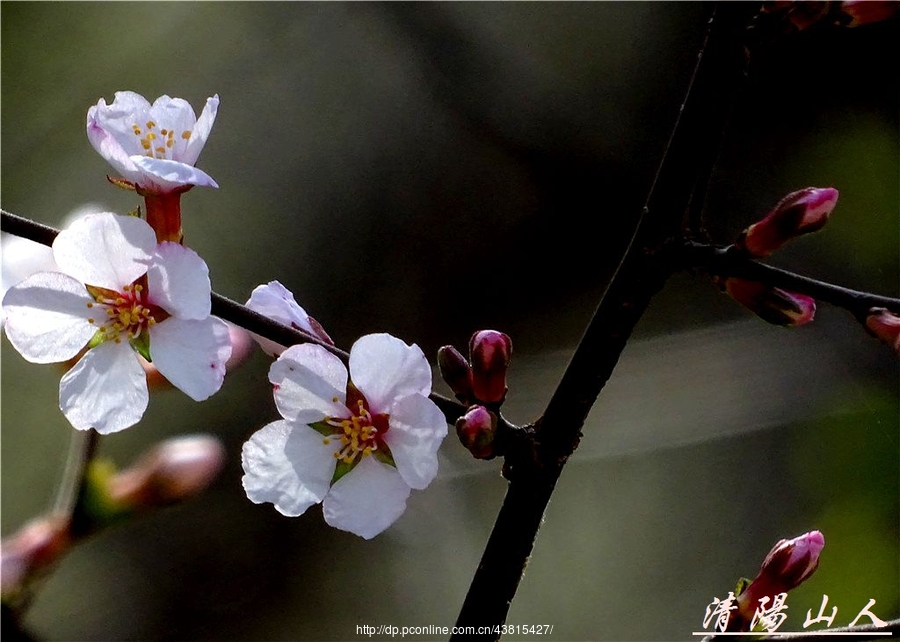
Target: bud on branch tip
[[788, 564], [489, 353], [798, 213]]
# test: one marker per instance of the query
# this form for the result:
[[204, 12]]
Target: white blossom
[[358, 442]]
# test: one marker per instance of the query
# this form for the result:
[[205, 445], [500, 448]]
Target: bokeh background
[[431, 169]]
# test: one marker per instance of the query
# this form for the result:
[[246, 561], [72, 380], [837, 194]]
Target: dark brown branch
[[227, 309], [728, 261], [26, 228], [682, 174]]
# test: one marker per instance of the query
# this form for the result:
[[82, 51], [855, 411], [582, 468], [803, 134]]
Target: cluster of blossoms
[[126, 299], [124, 294], [480, 384]]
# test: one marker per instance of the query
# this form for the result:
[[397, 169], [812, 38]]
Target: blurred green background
[[428, 170]]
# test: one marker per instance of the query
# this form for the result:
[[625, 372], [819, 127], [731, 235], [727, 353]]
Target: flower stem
[[82, 448], [164, 215], [72, 489], [80, 524]]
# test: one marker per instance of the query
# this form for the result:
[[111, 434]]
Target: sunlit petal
[[310, 384], [191, 354], [417, 428], [288, 466], [179, 282], [47, 318], [105, 250], [366, 500], [106, 390], [385, 369]]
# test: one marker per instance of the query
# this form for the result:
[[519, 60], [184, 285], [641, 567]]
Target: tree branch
[[228, 310], [683, 172], [729, 261]]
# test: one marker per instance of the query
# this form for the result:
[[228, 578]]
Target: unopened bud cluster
[[480, 383], [482, 378], [801, 212]]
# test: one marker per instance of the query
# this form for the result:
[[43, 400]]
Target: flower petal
[[191, 354], [277, 302], [179, 282], [106, 390], [201, 131], [47, 317], [110, 149], [310, 384], [384, 368], [366, 500], [110, 130], [417, 428], [287, 465], [105, 250], [177, 116], [162, 174]]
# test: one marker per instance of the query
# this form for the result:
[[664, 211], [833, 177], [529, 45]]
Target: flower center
[[157, 143], [126, 313], [358, 434]]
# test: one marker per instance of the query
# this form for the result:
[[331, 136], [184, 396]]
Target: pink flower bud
[[173, 470], [864, 12], [35, 546], [771, 304], [787, 565], [885, 326], [477, 430], [798, 213], [489, 353], [456, 373]]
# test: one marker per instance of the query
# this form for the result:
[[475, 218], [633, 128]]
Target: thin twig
[[80, 523], [227, 309], [728, 261], [82, 449]]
